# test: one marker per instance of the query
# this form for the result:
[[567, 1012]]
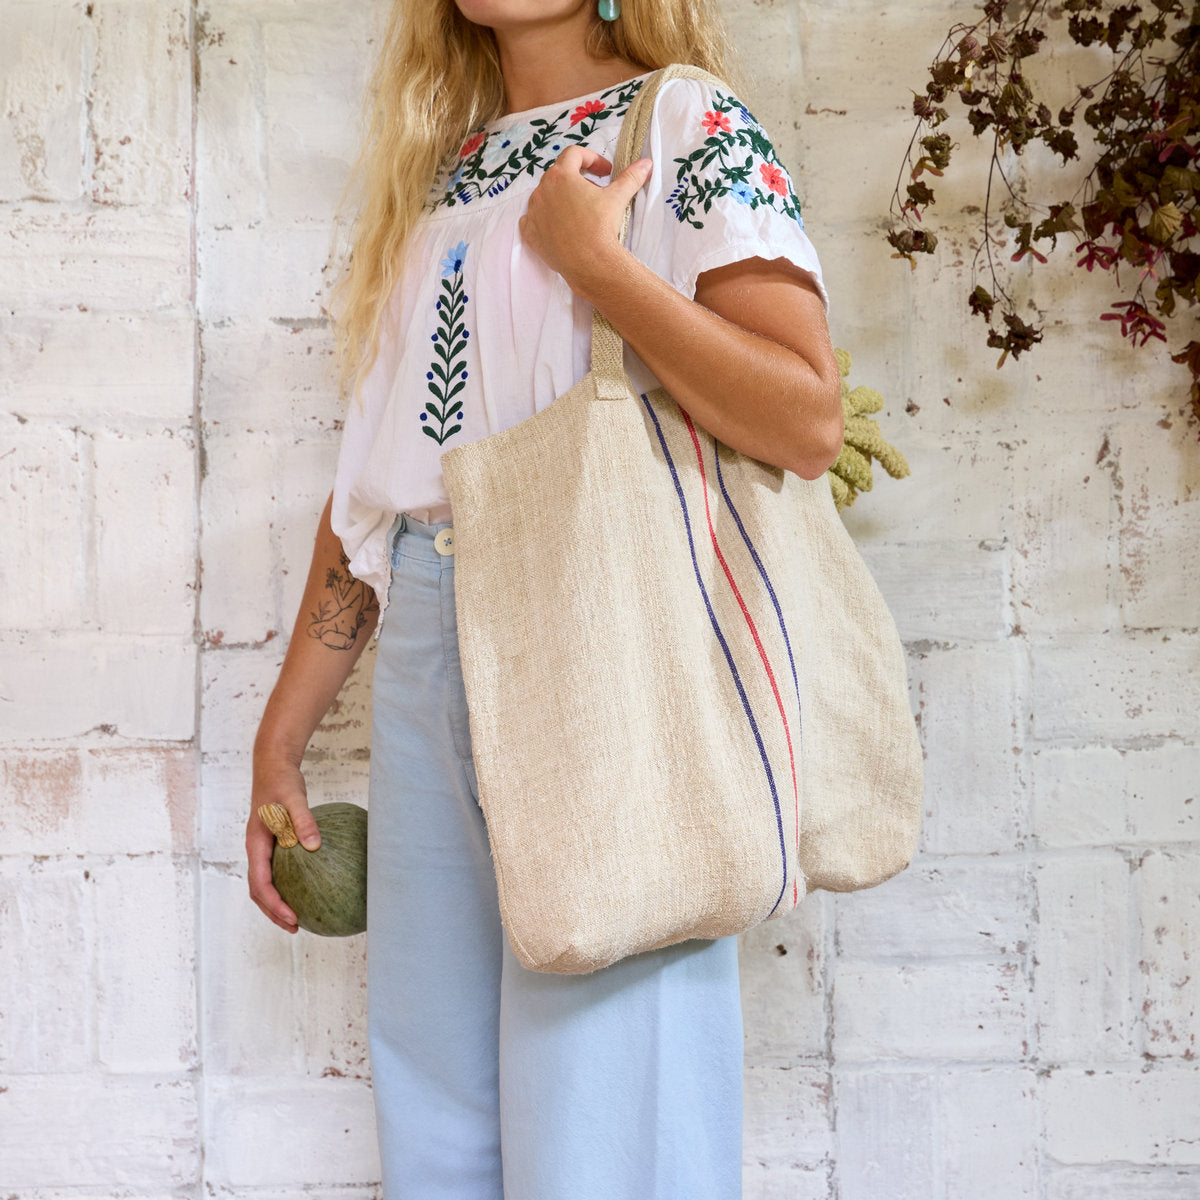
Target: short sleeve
[[718, 194]]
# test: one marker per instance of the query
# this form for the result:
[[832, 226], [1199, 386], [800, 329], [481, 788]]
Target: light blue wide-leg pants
[[492, 1080]]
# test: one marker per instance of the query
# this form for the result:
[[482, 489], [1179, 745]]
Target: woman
[[481, 248]]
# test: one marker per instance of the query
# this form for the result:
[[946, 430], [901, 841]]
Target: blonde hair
[[436, 79]]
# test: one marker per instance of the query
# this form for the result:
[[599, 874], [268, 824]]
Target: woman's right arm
[[335, 622]]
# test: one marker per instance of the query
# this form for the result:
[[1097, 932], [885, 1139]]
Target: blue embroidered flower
[[501, 144], [673, 201], [741, 193], [453, 262], [744, 113]]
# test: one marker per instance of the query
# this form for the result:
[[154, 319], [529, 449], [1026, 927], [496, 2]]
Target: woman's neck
[[545, 64]]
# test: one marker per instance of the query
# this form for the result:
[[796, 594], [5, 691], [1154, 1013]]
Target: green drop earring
[[610, 10]]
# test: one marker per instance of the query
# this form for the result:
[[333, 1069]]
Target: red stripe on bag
[[762, 654]]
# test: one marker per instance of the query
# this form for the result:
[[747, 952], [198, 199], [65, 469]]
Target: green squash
[[326, 888]]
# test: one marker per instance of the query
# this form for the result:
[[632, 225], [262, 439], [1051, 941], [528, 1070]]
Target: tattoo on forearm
[[348, 604]]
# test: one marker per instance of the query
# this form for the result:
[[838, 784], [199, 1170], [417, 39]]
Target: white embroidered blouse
[[482, 334]]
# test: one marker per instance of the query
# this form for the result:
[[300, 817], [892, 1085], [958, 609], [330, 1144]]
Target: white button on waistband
[[444, 542]]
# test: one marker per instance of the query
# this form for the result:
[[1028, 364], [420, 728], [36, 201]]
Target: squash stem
[[275, 818]]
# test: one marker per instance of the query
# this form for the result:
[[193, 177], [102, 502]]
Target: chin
[[508, 14]]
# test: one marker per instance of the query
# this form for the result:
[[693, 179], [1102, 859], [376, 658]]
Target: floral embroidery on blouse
[[489, 163], [589, 109], [735, 159], [503, 142], [471, 145], [447, 374]]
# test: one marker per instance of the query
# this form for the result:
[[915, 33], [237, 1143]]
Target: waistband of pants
[[417, 538]]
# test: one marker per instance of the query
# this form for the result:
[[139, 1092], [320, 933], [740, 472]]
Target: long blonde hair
[[436, 79]]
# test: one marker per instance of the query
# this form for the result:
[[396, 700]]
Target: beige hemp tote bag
[[687, 698]]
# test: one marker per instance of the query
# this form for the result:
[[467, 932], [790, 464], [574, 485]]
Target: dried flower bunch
[[864, 441], [1137, 207]]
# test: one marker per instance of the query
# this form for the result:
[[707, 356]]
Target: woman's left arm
[[749, 359]]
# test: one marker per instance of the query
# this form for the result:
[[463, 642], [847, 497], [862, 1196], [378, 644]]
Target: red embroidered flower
[[715, 122], [472, 144], [774, 178], [586, 110]]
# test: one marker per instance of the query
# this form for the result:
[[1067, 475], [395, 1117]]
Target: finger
[[301, 817], [262, 888], [581, 159], [286, 926], [278, 914], [631, 180], [305, 825]]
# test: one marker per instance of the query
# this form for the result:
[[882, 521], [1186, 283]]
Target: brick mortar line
[[1134, 1066], [199, 989], [131, 427]]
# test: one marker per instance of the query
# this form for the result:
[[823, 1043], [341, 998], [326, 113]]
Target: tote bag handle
[[608, 348]]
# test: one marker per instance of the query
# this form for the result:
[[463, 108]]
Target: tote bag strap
[[608, 348]]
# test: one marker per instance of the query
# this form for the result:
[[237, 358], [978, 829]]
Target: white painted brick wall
[[64, 1130], [103, 801], [124, 259], [42, 148], [1135, 1115], [43, 474], [45, 1026], [267, 1133], [1015, 1016], [1169, 904], [140, 124], [1169, 1184], [103, 368], [1082, 945], [969, 697]]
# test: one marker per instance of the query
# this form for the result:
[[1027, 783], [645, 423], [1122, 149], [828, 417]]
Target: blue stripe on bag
[[770, 590], [712, 616]]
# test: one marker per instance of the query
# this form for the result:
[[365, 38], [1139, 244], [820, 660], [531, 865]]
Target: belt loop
[[393, 538]]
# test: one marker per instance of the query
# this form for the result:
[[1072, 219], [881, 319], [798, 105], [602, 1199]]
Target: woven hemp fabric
[[659, 636]]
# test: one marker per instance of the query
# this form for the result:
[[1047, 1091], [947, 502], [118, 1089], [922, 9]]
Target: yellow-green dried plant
[[864, 440]]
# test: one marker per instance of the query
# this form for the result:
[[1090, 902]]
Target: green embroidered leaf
[[450, 342]]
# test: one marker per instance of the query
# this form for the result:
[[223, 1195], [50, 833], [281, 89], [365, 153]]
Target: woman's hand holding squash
[[277, 780]]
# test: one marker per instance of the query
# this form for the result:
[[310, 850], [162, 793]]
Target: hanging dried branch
[[1136, 208]]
